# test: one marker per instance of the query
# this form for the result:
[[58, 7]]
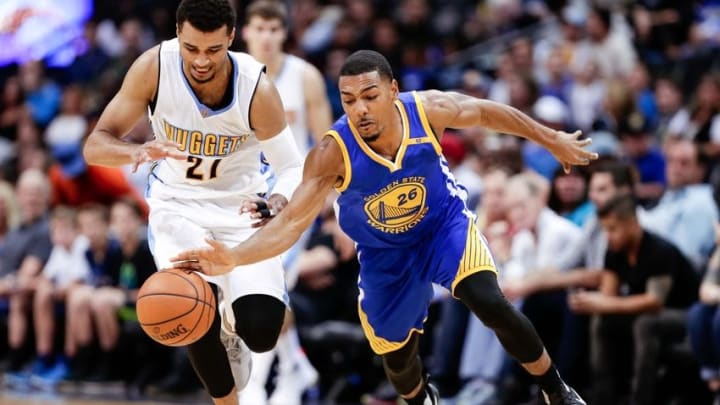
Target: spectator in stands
[[640, 305], [65, 269], [75, 183], [673, 118], [639, 82], [569, 195], [539, 237], [613, 50], [26, 250], [41, 94], [104, 256], [704, 323], [12, 108], [639, 148], [109, 303], [686, 212]]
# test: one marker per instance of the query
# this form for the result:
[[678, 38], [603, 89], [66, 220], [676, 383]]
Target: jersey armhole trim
[[346, 160], [154, 100], [252, 96], [426, 124]]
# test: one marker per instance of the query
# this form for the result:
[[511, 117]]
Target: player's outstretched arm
[[104, 146], [324, 169], [455, 110]]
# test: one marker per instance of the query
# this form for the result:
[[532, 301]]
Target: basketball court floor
[[48, 398]]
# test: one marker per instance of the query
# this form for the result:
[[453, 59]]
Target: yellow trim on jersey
[[346, 159], [477, 256], [426, 124], [381, 345], [397, 164]]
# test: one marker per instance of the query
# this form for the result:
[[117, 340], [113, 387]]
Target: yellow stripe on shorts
[[378, 344], [477, 256]]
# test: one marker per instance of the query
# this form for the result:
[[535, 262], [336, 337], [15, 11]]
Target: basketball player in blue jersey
[[408, 216], [213, 112]]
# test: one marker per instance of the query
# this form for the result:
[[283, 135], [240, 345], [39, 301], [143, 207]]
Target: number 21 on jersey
[[196, 173]]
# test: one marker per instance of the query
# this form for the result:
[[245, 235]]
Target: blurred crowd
[[615, 264]]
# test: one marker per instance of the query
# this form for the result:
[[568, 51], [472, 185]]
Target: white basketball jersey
[[223, 151], [289, 83]]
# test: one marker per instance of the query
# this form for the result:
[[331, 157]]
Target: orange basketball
[[175, 308]]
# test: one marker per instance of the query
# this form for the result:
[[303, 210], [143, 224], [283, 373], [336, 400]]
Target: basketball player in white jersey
[[213, 112], [308, 112]]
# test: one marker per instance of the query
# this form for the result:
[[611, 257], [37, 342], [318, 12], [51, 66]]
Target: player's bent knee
[[481, 293], [258, 320]]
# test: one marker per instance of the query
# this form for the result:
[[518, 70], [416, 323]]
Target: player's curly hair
[[206, 15]]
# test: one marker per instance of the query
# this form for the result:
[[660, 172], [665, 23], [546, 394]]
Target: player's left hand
[[569, 150], [264, 210], [212, 260], [587, 302]]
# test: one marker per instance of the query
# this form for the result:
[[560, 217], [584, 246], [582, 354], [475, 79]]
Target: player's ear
[[394, 88], [231, 37], [178, 28]]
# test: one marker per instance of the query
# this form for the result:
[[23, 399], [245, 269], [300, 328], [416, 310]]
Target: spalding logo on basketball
[[175, 308]]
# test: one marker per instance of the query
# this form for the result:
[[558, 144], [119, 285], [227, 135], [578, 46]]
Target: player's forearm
[[273, 239], [510, 120], [103, 149], [709, 293]]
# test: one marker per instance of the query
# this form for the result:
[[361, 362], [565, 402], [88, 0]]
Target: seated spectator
[[104, 256], [638, 146], [75, 183], [65, 269], [640, 306], [116, 300], [704, 323], [569, 195], [686, 212], [26, 250]]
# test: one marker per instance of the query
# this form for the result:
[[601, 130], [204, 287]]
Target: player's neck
[[390, 139]]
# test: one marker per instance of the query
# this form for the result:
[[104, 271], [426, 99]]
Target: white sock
[[261, 363], [290, 353]]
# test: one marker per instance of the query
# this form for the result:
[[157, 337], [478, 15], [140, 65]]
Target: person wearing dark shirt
[[640, 306], [119, 295], [25, 251]]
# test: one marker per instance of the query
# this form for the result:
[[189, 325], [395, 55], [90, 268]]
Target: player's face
[[367, 100], [264, 38], [204, 54]]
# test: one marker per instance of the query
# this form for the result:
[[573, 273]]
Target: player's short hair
[[622, 206], [206, 15], [267, 10], [366, 61]]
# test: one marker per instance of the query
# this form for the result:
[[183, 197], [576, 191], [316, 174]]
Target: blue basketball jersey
[[392, 204]]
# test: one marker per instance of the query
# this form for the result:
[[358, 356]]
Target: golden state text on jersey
[[384, 203]]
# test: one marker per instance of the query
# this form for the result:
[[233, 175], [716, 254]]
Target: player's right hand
[[155, 150], [213, 260]]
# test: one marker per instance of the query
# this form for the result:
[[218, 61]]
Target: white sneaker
[[239, 357], [253, 394], [291, 385]]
